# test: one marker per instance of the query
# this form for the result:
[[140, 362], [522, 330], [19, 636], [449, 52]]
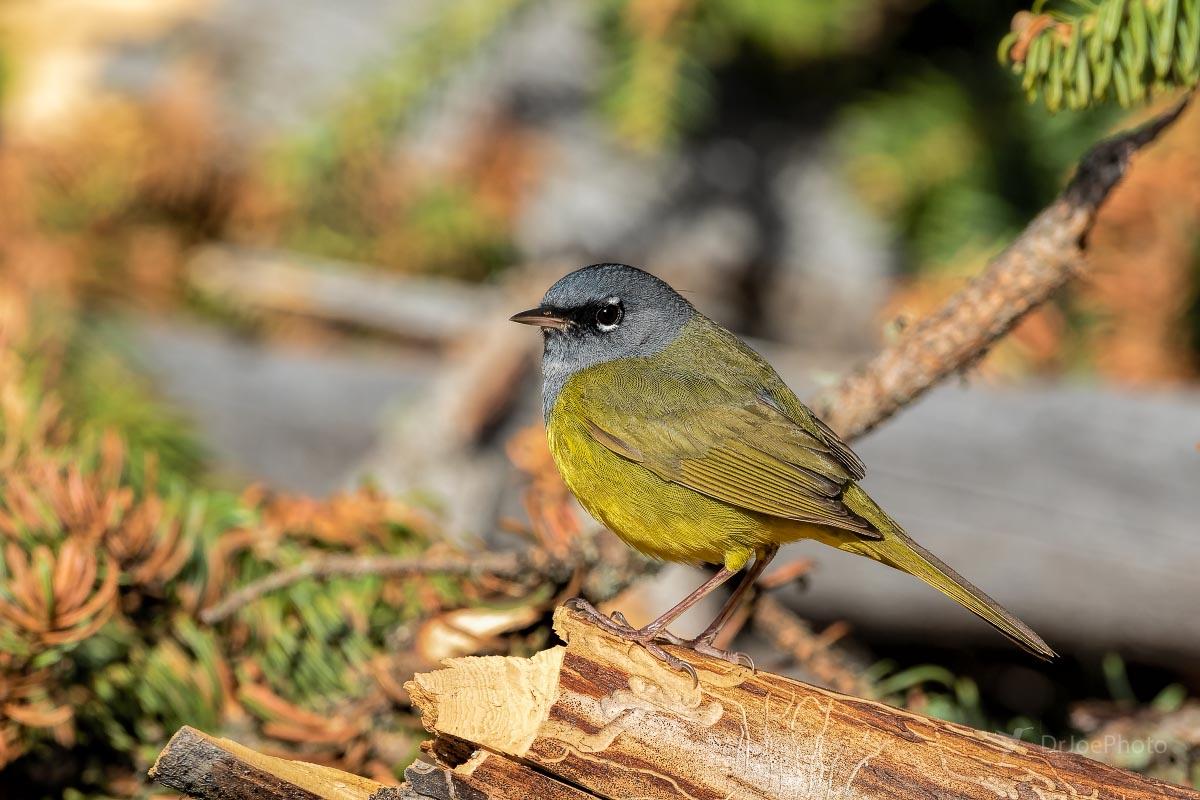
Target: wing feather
[[753, 456]]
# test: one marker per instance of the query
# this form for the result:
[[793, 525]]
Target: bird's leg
[[704, 642], [651, 631], [731, 605], [646, 635]]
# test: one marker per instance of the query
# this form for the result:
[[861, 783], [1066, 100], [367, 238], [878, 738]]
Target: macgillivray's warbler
[[686, 444]]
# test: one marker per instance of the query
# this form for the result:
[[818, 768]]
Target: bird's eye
[[608, 316]]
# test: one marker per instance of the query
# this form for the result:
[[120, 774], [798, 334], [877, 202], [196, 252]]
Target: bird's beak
[[542, 317]]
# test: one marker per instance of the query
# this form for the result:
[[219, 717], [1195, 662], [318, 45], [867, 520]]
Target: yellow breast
[[661, 519]]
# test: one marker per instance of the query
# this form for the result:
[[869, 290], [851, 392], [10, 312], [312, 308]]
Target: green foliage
[[108, 552], [1089, 52], [938, 692], [1116, 678], [951, 173], [916, 158], [101, 393], [664, 53]]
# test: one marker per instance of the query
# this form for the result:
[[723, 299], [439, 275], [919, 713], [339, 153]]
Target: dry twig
[[1047, 254], [512, 566]]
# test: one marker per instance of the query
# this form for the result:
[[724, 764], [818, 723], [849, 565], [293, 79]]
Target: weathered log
[[602, 716], [487, 776], [209, 768]]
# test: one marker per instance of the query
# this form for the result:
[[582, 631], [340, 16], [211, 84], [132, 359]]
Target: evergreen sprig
[[1097, 50]]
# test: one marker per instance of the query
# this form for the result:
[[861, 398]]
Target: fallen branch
[[512, 566], [606, 566], [1047, 254], [601, 718], [487, 776], [209, 768], [410, 307]]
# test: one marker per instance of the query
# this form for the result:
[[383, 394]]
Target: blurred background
[[256, 263]]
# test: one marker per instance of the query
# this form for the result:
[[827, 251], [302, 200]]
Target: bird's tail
[[897, 550]]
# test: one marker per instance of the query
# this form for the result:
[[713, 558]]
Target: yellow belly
[[661, 519]]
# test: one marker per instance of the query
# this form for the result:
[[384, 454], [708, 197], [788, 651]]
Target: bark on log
[[487, 776], [209, 768], [601, 716]]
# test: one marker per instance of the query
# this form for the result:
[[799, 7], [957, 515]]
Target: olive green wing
[[752, 454]]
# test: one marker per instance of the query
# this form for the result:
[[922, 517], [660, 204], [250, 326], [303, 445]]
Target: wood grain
[[487, 775], [209, 768], [603, 716]]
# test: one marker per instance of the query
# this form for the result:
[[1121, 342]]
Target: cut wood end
[[496, 702]]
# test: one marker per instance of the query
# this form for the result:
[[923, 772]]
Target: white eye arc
[[609, 315]]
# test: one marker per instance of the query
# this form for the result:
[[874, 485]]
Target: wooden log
[[487, 775], [209, 768], [603, 716]]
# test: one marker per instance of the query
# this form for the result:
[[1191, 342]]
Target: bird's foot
[[647, 637], [732, 656], [615, 624], [648, 644], [705, 647]]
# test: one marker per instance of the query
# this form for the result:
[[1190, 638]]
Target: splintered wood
[[601, 718]]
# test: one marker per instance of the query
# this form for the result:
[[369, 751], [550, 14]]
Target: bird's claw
[[616, 624], [674, 662], [705, 647], [619, 618], [732, 656], [619, 626]]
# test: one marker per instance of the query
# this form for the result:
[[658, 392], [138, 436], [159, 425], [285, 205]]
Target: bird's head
[[602, 313]]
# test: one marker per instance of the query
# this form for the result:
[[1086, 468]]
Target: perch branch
[[604, 717], [1047, 254]]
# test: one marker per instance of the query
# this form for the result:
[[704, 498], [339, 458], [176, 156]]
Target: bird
[[682, 440]]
